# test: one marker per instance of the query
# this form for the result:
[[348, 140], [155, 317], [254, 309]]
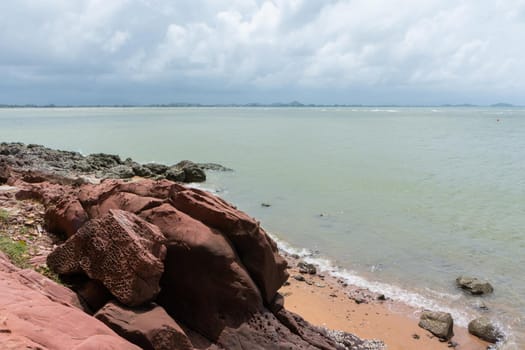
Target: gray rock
[[16, 158], [118, 172], [305, 267], [157, 169], [483, 328], [299, 278], [474, 285], [140, 170], [213, 166], [175, 174], [438, 323], [192, 172], [103, 160]]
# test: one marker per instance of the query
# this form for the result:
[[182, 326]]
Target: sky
[[423, 52]]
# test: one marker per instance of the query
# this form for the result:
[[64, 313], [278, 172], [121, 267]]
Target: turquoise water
[[402, 200]]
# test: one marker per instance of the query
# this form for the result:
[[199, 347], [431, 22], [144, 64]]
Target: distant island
[[254, 104]]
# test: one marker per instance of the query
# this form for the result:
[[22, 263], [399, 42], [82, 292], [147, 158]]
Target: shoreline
[[323, 299], [326, 301]]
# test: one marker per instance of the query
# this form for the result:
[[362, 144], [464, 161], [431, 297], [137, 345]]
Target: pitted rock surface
[[221, 272], [201, 260], [120, 250]]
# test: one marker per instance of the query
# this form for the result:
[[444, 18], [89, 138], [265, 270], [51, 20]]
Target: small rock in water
[[306, 268], [266, 205], [474, 285], [483, 328], [481, 306], [438, 323], [381, 297]]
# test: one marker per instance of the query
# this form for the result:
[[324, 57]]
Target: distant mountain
[[502, 104]]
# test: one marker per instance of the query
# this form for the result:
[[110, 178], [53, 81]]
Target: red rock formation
[[149, 327], [37, 313], [256, 250], [120, 250], [201, 260], [220, 275]]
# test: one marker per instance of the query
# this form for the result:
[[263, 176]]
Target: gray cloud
[[354, 51]]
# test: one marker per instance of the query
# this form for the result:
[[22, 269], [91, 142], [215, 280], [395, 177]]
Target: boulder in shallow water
[[483, 328], [474, 285], [305, 267], [438, 323]]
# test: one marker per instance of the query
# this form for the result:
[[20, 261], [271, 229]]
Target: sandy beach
[[325, 301]]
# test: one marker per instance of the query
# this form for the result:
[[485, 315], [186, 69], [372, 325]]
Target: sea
[[401, 200]]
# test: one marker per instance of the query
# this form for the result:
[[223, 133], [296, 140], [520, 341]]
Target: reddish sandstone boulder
[[204, 284], [125, 201], [151, 327], [120, 250], [37, 313], [65, 217], [257, 252]]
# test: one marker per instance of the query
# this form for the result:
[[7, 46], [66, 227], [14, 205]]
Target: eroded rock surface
[[120, 250], [37, 313], [36, 163], [218, 280]]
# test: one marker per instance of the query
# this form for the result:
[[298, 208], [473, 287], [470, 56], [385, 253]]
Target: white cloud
[[440, 46]]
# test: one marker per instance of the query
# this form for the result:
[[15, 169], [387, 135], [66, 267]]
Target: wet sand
[[324, 301]]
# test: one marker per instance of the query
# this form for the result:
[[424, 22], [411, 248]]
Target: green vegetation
[[16, 251], [44, 270], [4, 216]]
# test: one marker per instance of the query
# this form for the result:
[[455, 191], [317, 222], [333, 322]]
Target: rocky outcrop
[[120, 250], [212, 271], [438, 323], [256, 250], [35, 164], [37, 313], [483, 328], [474, 286], [149, 327]]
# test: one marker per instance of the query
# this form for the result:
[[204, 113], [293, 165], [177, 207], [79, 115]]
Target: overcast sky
[[214, 51]]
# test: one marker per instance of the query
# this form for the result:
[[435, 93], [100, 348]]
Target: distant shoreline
[[259, 105]]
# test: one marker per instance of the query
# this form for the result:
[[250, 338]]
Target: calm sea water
[[400, 200]]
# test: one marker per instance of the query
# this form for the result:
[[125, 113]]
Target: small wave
[[410, 298], [429, 299], [385, 110]]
